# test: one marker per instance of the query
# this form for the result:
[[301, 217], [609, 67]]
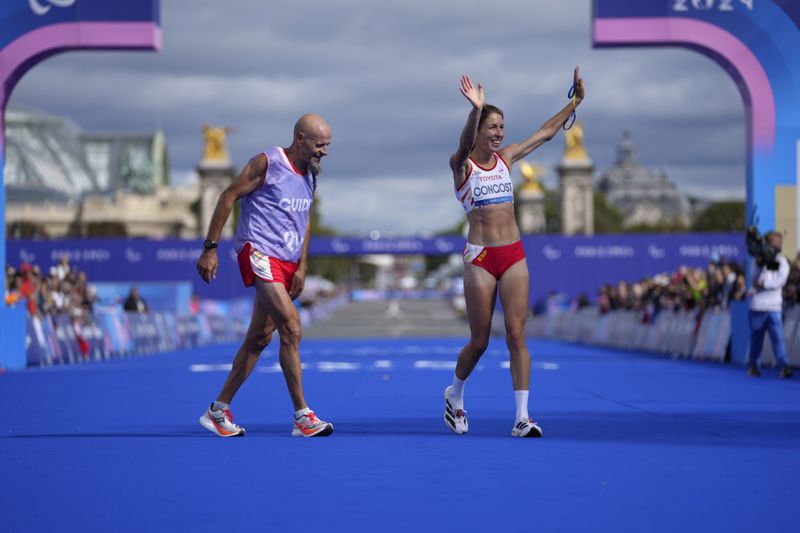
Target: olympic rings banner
[[570, 265]]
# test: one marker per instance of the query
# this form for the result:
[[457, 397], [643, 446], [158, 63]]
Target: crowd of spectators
[[688, 289], [791, 291], [61, 291]]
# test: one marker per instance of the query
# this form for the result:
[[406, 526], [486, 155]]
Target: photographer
[[766, 301]]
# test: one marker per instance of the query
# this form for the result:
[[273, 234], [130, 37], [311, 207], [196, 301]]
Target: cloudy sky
[[385, 75]]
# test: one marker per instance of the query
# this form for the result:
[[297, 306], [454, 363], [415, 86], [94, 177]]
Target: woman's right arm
[[458, 161]]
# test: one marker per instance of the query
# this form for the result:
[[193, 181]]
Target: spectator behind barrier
[[687, 289], [134, 303], [51, 295], [770, 275]]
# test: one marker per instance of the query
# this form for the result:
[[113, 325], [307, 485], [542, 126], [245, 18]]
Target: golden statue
[[531, 174], [573, 143], [215, 149]]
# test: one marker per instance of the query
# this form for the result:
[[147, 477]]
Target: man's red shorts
[[253, 263], [494, 259]]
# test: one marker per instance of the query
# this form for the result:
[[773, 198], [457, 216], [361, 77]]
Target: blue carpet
[[632, 442]]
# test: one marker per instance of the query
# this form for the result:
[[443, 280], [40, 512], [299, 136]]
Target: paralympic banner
[[569, 265]]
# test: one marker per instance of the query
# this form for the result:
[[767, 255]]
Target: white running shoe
[[220, 421], [525, 427], [309, 425], [455, 417]]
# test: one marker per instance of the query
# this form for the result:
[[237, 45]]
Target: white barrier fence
[[688, 334]]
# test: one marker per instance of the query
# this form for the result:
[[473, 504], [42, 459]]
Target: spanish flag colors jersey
[[486, 186]]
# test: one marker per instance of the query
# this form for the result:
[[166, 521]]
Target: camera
[[765, 254]]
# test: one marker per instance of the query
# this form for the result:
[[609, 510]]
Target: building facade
[[644, 197], [63, 182]]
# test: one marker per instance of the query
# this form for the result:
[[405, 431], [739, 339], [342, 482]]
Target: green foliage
[[667, 226], [721, 216], [455, 229], [336, 269], [432, 262], [607, 218], [317, 227], [552, 210]]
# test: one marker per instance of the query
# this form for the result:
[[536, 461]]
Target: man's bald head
[[312, 136], [312, 125]]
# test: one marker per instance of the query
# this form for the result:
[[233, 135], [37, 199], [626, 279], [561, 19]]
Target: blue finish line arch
[[757, 43], [33, 30]]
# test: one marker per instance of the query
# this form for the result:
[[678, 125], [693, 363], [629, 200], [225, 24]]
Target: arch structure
[[757, 43], [33, 30]]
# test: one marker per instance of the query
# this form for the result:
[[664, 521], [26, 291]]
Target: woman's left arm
[[514, 152]]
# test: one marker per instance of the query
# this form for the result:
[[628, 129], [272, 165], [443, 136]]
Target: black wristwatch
[[209, 244]]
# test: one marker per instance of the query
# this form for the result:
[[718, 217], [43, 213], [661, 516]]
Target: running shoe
[[309, 425], [455, 417], [753, 371], [525, 427], [220, 421], [786, 372]]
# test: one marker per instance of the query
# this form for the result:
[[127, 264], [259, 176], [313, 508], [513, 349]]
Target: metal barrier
[[112, 333], [696, 335], [675, 333]]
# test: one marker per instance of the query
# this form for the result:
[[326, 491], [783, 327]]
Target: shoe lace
[[227, 413], [310, 420], [460, 413]]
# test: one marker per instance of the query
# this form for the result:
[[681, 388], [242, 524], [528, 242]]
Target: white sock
[[218, 406], [521, 397], [299, 414], [458, 389]]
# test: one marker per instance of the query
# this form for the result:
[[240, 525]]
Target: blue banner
[[570, 265]]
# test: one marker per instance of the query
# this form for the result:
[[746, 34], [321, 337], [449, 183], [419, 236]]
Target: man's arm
[[514, 152], [774, 279], [251, 177]]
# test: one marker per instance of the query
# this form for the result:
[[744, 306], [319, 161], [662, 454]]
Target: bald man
[[276, 190]]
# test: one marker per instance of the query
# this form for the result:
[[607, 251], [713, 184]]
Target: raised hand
[[577, 81], [473, 94]]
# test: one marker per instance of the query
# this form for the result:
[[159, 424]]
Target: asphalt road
[[390, 319]]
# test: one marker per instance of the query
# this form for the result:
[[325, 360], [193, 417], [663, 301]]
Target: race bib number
[[291, 241]]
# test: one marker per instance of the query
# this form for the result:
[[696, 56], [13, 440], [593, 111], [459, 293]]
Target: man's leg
[[279, 307], [218, 418], [775, 330], [757, 330], [259, 333]]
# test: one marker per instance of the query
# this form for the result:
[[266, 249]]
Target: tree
[[721, 216], [607, 218], [665, 226], [317, 227]]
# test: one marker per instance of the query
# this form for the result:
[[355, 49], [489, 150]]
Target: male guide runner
[[276, 189]]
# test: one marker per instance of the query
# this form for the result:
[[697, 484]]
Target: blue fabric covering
[[632, 443]]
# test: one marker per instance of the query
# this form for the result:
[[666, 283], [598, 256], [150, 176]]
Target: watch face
[[209, 244]]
